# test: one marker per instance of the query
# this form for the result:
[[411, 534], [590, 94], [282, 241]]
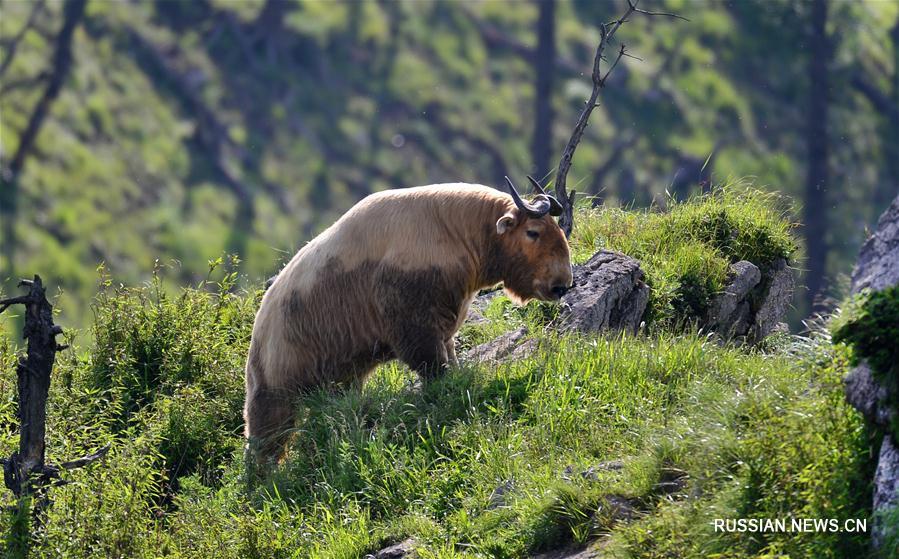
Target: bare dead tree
[[607, 32], [26, 473]]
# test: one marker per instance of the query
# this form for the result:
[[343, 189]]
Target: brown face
[[538, 262]]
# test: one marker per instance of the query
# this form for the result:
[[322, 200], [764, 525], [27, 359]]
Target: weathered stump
[[33, 374], [25, 473]]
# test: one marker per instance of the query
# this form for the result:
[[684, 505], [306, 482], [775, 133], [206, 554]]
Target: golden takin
[[393, 278]]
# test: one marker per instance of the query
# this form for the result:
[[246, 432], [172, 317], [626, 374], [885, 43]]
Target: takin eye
[[533, 235]]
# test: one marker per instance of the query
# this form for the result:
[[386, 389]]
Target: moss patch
[[870, 325]]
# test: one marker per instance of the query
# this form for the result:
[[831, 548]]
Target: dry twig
[[607, 32]]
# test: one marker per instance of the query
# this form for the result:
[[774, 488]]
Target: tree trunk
[[9, 177], [890, 186], [34, 380], [544, 66], [271, 17], [815, 206]]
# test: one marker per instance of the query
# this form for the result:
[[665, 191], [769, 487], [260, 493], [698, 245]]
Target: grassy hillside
[[634, 444]]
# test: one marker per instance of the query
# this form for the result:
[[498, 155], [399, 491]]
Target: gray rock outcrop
[[878, 268], [773, 302], [402, 550], [878, 260], [753, 304], [508, 347], [609, 294], [730, 313], [868, 396], [571, 553]]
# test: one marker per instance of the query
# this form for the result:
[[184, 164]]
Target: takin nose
[[559, 290]]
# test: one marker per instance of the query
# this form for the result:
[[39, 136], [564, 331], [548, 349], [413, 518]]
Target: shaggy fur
[[392, 278]]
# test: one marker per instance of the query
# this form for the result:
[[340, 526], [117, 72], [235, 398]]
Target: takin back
[[393, 278]]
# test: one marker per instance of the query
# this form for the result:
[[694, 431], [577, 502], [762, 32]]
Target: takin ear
[[505, 223]]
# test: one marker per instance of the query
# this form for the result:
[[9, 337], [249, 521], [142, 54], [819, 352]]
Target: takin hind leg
[[268, 415]]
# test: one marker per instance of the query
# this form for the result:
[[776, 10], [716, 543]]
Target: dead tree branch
[[62, 61], [877, 98], [607, 32], [22, 83], [25, 473]]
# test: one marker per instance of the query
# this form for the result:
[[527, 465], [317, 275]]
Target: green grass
[[757, 434], [686, 249]]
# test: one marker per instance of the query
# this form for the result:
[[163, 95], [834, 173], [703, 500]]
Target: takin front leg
[[451, 358], [423, 350], [268, 415]]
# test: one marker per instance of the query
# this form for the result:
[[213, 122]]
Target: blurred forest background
[[181, 130]]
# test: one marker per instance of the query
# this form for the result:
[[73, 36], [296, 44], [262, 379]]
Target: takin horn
[[555, 209], [542, 204], [537, 209]]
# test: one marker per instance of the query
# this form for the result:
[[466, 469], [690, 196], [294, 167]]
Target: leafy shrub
[[870, 324], [175, 362]]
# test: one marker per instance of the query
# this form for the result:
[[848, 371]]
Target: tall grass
[[570, 433]]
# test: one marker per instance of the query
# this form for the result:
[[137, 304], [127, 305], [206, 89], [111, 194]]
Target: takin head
[[535, 256]]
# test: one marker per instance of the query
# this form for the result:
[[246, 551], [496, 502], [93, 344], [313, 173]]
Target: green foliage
[[176, 364], [870, 325], [890, 545], [687, 248], [788, 458]]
